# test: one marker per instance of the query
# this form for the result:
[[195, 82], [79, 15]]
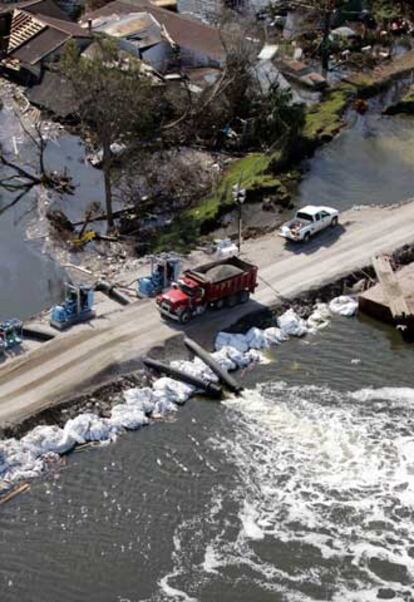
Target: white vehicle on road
[[308, 221]]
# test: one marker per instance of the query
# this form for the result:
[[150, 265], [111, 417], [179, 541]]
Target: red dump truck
[[223, 283]]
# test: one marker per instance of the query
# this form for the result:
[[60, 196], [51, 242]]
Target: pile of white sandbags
[[289, 324], [28, 457]]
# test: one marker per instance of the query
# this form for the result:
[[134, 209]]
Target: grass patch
[[251, 172], [324, 120]]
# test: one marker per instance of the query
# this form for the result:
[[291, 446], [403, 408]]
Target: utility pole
[[239, 196], [327, 16]]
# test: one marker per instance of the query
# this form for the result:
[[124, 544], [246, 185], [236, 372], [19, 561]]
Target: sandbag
[[291, 324], [48, 438], [223, 359], [256, 338], [141, 398], [226, 339], [274, 336], [88, 427], [344, 306], [127, 416], [320, 317], [196, 368], [173, 390]]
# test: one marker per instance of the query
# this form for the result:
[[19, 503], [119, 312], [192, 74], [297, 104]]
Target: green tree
[[115, 101]]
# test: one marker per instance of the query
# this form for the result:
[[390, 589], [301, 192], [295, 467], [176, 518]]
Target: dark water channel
[[30, 279], [371, 162]]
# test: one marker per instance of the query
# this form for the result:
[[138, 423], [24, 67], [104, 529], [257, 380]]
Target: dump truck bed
[[225, 277]]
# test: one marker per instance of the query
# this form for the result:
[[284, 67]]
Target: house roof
[[53, 93], [39, 7], [185, 32], [139, 28], [68, 27], [32, 37], [39, 46]]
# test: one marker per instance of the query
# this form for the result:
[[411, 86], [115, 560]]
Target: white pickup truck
[[308, 221]]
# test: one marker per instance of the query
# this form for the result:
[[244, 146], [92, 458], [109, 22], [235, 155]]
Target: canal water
[[30, 279], [302, 489], [369, 163]]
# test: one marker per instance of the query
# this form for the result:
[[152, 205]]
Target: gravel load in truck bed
[[222, 272]]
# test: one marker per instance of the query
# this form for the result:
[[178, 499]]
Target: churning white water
[[324, 504]]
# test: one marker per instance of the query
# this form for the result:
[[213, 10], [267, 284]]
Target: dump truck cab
[[214, 285]]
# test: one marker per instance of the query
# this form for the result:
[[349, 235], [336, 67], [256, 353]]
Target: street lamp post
[[239, 196]]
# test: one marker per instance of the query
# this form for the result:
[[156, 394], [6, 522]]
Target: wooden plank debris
[[22, 488], [391, 287]]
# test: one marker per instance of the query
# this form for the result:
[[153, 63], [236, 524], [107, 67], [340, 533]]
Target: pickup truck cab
[[308, 221]]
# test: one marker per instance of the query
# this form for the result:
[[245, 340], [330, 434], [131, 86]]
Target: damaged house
[[34, 34], [168, 42]]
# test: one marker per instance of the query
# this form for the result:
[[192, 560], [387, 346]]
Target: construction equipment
[[165, 270], [83, 239], [223, 283], [10, 334], [77, 307]]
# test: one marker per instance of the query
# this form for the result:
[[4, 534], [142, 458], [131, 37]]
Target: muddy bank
[[404, 106], [99, 400]]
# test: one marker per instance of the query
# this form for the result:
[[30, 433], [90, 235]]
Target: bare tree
[[19, 180]]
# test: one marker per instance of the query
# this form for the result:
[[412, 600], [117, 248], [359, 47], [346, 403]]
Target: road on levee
[[66, 365]]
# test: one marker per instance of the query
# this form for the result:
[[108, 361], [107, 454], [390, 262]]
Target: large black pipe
[[110, 290], [211, 389], [223, 375]]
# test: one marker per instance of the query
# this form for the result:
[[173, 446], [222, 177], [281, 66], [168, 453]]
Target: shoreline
[[99, 399], [73, 363]]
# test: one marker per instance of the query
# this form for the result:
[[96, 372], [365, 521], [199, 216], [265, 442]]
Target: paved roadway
[[63, 367]]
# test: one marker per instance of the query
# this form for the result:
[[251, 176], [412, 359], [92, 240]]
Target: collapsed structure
[[33, 35]]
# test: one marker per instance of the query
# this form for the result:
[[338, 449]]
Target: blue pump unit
[[77, 307], [11, 334], [165, 270]]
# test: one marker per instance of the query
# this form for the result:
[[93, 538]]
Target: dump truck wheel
[[232, 300], [219, 304], [185, 317], [244, 296]]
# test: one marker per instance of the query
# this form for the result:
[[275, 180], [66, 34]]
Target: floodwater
[[30, 280], [300, 490], [369, 163]]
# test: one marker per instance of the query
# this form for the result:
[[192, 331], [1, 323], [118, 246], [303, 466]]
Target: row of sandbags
[[28, 457], [288, 324]]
